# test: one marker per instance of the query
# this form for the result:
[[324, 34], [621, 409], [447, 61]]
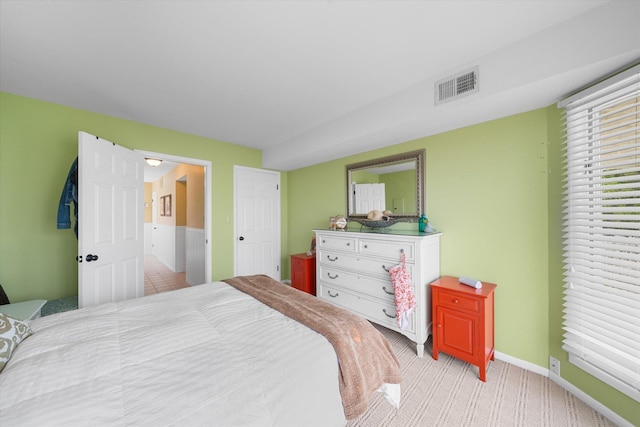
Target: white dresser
[[352, 272]]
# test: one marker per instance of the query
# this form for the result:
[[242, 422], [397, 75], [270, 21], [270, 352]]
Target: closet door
[[110, 222], [369, 197], [257, 221]]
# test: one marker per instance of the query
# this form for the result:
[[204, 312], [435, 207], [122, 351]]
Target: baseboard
[[612, 416], [590, 401], [522, 364]]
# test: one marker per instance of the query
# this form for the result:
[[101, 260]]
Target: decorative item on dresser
[[463, 321], [353, 273], [303, 272]]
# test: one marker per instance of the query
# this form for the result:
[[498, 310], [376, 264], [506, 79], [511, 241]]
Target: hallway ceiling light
[[153, 162]]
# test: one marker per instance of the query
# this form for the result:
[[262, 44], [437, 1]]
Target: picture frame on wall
[[165, 205]]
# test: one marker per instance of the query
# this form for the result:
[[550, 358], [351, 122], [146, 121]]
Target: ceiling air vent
[[457, 86]]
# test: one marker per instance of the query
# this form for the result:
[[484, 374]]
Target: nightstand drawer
[[457, 301], [299, 263]]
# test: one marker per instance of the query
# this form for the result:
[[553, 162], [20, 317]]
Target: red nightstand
[[463, 321], [303, 272]]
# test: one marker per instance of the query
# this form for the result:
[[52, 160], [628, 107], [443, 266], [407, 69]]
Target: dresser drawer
[[457, 301], [357, 283], [369, 266], [387, 248], [343, 243], [380, 268], [383, 313], [338, 259]]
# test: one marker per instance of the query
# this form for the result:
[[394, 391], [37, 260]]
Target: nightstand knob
[[455, 300], [439, 325]]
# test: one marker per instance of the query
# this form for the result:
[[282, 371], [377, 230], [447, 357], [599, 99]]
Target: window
[[602, 231]]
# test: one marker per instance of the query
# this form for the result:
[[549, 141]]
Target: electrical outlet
[[554, 365]]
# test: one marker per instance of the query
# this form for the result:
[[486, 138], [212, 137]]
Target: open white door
[[110, 222], [257, 222]]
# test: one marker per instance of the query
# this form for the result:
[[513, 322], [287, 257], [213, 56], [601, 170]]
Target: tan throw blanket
[[366, 359]]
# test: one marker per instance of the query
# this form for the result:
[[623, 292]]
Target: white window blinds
[[602, 231]]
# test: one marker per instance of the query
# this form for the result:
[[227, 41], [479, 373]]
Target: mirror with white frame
[[394, 183]]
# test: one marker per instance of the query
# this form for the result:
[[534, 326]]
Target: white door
[[369, 197], [110, 222], [257, 222]]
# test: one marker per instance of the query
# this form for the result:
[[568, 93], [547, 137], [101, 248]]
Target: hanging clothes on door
[[69, 195], [404, 298]]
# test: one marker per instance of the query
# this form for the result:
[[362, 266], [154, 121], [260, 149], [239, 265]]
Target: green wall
[[400, 185], [494, 190], [38, 142], [486, 193]]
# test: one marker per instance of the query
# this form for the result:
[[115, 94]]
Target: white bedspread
[[207, 355]]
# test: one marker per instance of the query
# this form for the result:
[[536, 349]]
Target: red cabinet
[[303, 272], [463, 321]]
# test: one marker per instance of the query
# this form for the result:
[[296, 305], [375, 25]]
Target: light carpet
[[447, 392]]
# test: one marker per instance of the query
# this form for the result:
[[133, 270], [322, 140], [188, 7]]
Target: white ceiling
[[309, 81]]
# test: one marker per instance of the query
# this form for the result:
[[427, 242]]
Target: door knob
[[241, 238], [90, 258]]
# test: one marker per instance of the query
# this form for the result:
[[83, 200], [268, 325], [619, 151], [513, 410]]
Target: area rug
[[60, 305], [447, 392]]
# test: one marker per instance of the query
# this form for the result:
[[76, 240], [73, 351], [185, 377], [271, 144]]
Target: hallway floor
[[159, 278]]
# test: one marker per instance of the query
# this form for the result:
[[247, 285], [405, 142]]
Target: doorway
[[177, 222]]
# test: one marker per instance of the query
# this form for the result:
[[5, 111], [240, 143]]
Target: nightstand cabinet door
[[463, 321], [303, 272], [457, 333]]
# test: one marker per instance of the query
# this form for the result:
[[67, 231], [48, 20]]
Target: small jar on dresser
[[353, 273], [463, 321]]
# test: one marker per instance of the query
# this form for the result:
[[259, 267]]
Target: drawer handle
[[348, 244], [324, 241], [329, 258], [455, 300], [332, 296], [384, 288], [332, 277], [365, 246], [385, 268], [384, 310]]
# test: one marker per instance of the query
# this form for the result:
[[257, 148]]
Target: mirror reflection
[[392, 184]]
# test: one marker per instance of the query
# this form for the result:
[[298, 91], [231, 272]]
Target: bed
[[207, 355]]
